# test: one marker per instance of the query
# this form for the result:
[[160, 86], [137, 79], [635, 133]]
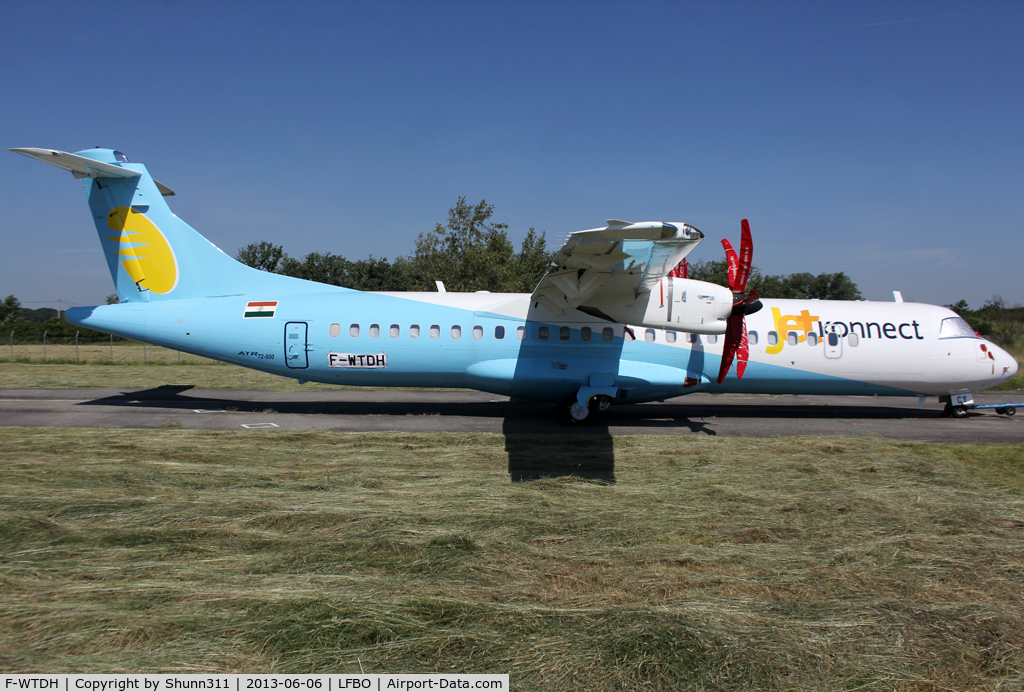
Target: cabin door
[[833, 345], [295, 345]]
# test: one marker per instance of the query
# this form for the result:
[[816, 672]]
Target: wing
[[621, 260]]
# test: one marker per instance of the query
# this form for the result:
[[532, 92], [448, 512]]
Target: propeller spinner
[[738, 265]]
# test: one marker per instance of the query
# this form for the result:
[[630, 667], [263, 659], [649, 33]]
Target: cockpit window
[[118, 156], [956, 328]]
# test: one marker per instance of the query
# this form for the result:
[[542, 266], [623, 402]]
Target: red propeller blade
[[736, 346], [731, 262], [745, 259], [742, 351], [735, 331]]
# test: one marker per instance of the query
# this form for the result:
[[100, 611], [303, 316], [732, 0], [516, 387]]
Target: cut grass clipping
[[699, 563]]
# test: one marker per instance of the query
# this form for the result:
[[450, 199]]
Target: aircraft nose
[[1013, 367], [1007, 362]]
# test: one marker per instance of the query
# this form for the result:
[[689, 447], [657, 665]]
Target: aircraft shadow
[[539, 443], [587, 452], [524, 417]]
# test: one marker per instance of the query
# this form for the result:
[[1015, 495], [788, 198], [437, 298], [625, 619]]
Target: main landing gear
[[581, 415]]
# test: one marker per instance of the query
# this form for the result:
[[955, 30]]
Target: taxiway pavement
[[406, 410]]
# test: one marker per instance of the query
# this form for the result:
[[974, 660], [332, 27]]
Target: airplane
[[612, 321]]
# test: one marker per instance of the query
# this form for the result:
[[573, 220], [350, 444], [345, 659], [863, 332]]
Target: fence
[[73, 350]]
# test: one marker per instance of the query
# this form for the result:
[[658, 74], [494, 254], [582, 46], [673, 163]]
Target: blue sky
[[882, 139]]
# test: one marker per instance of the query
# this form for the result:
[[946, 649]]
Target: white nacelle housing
[[685, 305]]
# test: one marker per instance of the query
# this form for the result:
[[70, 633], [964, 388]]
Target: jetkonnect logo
[[805, 323]]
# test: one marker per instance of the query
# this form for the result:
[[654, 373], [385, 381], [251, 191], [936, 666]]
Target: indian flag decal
[[260, 308]]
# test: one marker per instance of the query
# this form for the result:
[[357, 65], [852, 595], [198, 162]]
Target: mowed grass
[[133, 366], [704, 563]]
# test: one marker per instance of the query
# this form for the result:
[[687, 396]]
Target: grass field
[[133, 366], [702, 563]]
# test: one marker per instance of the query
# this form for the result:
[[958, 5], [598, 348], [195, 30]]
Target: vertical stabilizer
[[152, 254]]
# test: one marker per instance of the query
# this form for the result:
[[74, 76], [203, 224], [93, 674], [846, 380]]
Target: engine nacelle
[[685, 305]]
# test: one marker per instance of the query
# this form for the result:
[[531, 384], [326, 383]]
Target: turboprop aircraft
[[611, 322]]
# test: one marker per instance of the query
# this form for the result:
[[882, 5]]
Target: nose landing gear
[[951, 411]]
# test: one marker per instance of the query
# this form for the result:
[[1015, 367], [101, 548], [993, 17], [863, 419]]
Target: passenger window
[[395, 331], [752, 338], [478, 332], [499, 332], [712, 338], [414, 331], [792, 338], [353, 330], [585, 333], [564, 333], [691, 338], [833, 339], [773, 338], [607, 333], [649, 336], [456, 331], [374, 330], [543, 333], [812, 339], [335, 329], [520, 333], [853, 339], [670, 337], [435, 331]]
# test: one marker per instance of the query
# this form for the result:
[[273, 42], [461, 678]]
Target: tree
[[262, 255], [10, 311], [802, 285], [472, 253], [995, 320], [717, 272], [825, 286], [325, 268], [531, 262], [959, 307], [112, 299], [377, 274]]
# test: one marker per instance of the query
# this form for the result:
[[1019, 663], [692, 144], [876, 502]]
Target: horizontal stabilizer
[[82, 167], [79, 165]]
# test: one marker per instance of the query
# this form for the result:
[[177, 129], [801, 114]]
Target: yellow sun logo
[[148, 257]]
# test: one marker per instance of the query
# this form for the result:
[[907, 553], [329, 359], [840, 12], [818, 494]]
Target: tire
[[577, 414], [1010, 410], [959, 411]]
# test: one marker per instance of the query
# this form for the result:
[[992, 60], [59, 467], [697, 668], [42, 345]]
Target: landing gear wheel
[[951, 411], [600, 403], [578, 414]]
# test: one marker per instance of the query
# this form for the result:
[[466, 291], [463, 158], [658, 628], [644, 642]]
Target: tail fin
[[152, 254]]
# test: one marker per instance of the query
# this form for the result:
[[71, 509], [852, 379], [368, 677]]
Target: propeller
[[743, 304]]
